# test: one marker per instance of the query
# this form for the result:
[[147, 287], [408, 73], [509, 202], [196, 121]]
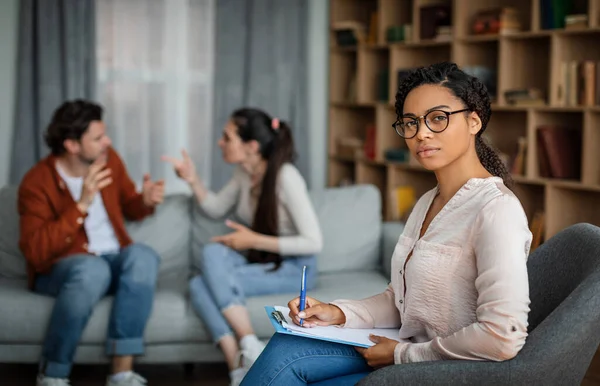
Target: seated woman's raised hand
[[184, 168], [316, 313]]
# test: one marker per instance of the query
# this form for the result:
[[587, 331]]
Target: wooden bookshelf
[[537, 55]]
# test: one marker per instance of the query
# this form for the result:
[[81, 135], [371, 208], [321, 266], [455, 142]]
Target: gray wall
[[317, 88], [8, 59]]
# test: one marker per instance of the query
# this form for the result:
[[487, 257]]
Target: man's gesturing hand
[[96, 179]]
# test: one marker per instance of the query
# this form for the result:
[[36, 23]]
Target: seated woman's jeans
[[292, 360], [227, 279]]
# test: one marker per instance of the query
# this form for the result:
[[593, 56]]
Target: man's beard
[[87, 160]]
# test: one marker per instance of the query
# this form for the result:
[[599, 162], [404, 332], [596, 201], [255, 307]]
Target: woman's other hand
[[381, 354], [184, 168], [316, 313], [242, 239]]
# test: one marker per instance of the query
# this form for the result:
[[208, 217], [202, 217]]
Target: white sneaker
[[251, 353], [132, 379], [47, 381], [237, 376]]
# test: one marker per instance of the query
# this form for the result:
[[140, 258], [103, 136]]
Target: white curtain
[[155, 73]]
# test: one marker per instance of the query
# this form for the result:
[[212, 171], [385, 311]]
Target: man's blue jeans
[[227, 279], [292, 360], [78, 282]]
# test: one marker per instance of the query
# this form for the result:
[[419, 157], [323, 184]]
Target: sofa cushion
[[26, 314], [203, 229], [350, 219], [167, 231], [12, 262]]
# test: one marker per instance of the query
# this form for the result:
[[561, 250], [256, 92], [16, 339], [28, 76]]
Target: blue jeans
[[292, 360], [227, 279], [78, 282]]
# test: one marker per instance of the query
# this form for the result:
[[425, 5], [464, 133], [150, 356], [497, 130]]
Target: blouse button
[[401, 301], [400, 272]]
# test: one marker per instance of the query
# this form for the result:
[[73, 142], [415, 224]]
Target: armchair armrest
[[390, 232], [451, 372]]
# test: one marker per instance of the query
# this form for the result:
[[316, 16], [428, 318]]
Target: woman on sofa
[[266, 254], [459, 286]]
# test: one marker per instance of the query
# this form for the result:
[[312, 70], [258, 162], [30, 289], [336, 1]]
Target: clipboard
[[349, 336]]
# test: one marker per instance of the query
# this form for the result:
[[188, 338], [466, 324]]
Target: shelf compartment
[[386, 136], [567, 120], [503, 133], [342, 76], [523, 64], [572, 7], [394, 13], [479, 58], [416, 17], [590, 170], [566, 206], [406, 57], [398, 175], [372, 75], [341, 172], [369, 173], [466, 10], [355, 10], [421, 179], [348, 122], [570, 82], [532, 197]]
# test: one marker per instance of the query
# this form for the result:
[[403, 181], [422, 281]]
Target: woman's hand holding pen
[[316, 313]]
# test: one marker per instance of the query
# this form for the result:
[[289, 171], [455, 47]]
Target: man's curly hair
[[475, 97], [70, 121]]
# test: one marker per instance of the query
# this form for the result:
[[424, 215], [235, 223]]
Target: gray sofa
[[350, 266]]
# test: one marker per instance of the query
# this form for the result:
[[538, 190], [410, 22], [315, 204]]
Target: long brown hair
[[276, 146]]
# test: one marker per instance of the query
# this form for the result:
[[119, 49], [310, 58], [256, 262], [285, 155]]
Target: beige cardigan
[[464, 293]]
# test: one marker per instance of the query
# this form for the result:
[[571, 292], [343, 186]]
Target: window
[[155, 72]]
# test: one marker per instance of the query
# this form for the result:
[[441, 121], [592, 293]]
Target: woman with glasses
[[459, 285]]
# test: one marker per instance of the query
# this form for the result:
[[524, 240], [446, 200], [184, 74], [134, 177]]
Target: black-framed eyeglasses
[[435, 120]]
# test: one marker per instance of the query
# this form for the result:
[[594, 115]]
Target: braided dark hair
[[474, 95]]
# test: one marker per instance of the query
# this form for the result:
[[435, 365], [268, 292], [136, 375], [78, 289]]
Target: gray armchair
[[564, 324]]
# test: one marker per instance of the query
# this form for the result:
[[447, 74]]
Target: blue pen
[[303, 292]]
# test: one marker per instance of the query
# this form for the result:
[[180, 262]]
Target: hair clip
[[275, 123]]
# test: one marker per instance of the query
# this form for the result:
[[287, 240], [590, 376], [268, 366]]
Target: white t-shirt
[[99, 230]]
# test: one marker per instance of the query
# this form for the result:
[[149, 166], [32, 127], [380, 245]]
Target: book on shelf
[[579, 83], [369, 145], [519, 162], [402, 199], [525, 97], [536, 226], [558, 151]]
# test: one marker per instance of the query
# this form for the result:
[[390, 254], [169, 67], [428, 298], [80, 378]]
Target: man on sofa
[[72, 206]]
